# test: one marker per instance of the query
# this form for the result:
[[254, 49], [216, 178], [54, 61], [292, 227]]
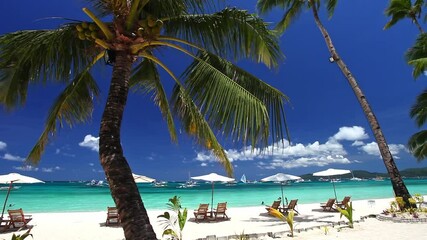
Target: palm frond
[[416, 55], [73, 105], [397, 10], [145, 78], [419, 109], [229, 33], [195, 124], [265, 6], [30, 56], [224, 94], [216, 85], [110, 7], [293, 11], [417, 144], [331, 4]]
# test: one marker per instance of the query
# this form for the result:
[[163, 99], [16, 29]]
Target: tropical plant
[[347, 212], [401, 9], [211, 94], [293, 8], [23, 236], [416, 56], [173, 225], [289, 218]]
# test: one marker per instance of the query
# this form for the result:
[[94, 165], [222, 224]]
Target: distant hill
[[407, 173]]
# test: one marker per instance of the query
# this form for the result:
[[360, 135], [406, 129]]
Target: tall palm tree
[[418, 142], [401, 9], [292, 9], [415, 56], [211, 94]]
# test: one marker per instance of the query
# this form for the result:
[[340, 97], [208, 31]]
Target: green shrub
[[174, 225]]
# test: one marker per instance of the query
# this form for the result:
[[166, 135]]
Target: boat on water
[[378, 179], [95, 183], [160, 184], [188, 184], [243, 179], [5, 188], [355, 178]]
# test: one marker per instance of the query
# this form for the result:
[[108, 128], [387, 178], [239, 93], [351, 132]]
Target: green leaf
[[236, 33]]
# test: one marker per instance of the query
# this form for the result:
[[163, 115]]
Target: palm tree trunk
[[415, 21], [132, 213], [399, 187]]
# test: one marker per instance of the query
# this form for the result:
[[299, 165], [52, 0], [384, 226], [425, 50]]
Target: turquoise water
[[72, 197]]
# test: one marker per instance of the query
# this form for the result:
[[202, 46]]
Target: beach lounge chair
[[17, 219], [275, 205], [219, 212], [329, 206], [112, 216], [202, 212], [291, 206], [343, 203]]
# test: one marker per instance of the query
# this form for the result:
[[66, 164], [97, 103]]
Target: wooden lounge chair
[[343, 203], [202, 212], [17, 219], [219, 212], [275, 205], [112, 216], [329, 206], [291, 206]]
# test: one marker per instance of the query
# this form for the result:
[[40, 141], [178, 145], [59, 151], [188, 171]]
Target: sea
[[81, 196]]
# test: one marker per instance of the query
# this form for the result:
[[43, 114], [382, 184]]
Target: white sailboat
[[243, 179], [354, 178]]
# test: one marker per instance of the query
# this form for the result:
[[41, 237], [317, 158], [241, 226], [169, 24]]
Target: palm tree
[[211, 94], [401, 9], [292, 9], [415, 56], [418, 142]]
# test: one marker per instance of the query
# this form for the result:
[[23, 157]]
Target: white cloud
[[91, 164], [51, 169], [203, 164], [305, 162], [90, 142], [3, 145], [357, 143], [11, 157], [305, 155], [351, 133], [372, 149], [27, 168]]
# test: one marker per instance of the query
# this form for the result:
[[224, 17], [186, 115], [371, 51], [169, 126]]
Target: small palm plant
[[348, 213], [173, 225], [289, 219], [23, 236]]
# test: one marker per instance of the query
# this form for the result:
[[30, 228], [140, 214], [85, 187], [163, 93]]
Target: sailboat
[[355, 178], [243, 179], [189, 183]]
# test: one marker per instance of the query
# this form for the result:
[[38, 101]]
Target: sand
[[311, 223]]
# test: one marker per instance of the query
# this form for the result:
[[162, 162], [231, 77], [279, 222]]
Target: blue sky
[[328, 128]]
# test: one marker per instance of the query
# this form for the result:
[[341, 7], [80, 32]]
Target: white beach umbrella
[[142, 179], [15, 178], [282, 178], [213, 177], [331, 172]]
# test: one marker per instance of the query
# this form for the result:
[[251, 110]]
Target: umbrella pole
[[212, 197], [283, 199], [5, 201], [335, 192]]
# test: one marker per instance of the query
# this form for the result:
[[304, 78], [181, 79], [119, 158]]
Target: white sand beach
[[311, 223]]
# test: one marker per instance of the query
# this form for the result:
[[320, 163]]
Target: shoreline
[[311, 223]]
